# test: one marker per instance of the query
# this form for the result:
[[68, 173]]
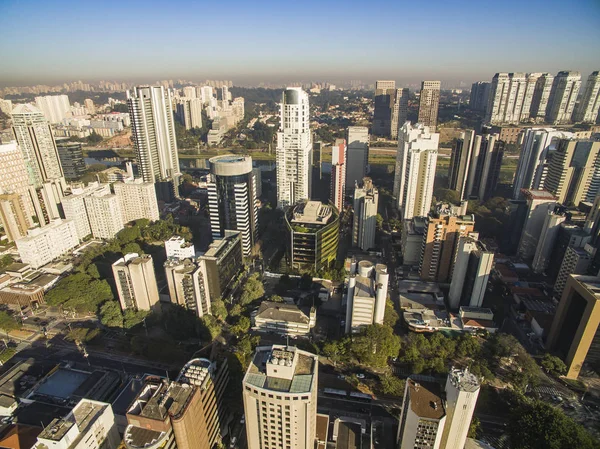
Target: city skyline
[[47, 54]]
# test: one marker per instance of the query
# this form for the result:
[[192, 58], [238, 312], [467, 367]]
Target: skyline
[[279, 43]]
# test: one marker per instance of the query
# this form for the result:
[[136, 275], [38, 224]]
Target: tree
[[537, 425], [82, 334], [210, 327], [378, 221], [132, 248], [447, 196], [252, 290], [283, 285], [391, 385], [94, 138], [129, 235], [276, 298], [553, 364], [132, 317], [6, 260], [467, 346], [375, 345], [241, 326], [218, 309], [7, 322], [474, 428], [334, 351], [110, 314], [306, 281], [390, 317]]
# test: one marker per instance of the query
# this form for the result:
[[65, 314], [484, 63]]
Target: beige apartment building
[[136, 282], [429, 103]]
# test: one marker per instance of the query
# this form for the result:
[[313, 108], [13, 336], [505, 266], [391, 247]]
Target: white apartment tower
[[43, 245], [14, 178], [54, 107], [232, 203], [357, 140], [136, 282], [533, 160], [587, 112], [563, 96], [508, 102], [34, 136], [104, 213], [338, 173], [364, 223], [188, 284], [137, 199], [280, 398], [74, 207], [294, 148], [541, 96], [462, 390], [429, 104], [415, 169], [153, 133]]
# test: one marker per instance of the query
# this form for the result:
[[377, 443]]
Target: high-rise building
[[445, 225], [232, 200], [423, 416], [575, 324], [400, 111], [548, 236], [188, 285], [577, 260], [507, 99], [294, 149], [541, 96], [136, 282], [137, 200], [313, 234], [74, 207], [71, 159], [462, 390], [104, 213], [90, 425], [415, 169], [223, 263], [177, 248], [357, 139], [189, 91], [563, 96], [280, 398], [43, 245], [14, 216], [471, 272], [184, 413], [538, 144], [574, 172], [429, 104], [14, 178], [338, 173], [88, 103], [34, 136], [538, 204], [458, 170], [189, 112], [366, 296], [364, 222], [480, 92], [54, 107], [484, 169], [587, 111], [153, 133], [385, 101], [569, 235]]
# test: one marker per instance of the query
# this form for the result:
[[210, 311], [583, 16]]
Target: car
[[243, 420], [360, 375], [341, 376]]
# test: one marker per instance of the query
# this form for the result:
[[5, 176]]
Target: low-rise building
[[284, 319], [177, 248]]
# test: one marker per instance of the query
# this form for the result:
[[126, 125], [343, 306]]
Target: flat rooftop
[[82, 416], [22, 376], [425, 399], [158, 399], [363, 287], [538, 194], [312, 212], [349, 436], [63, 383], [282, 312], [305, 365]]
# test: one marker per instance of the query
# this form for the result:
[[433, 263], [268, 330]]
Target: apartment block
[[188, 285], [366, 296], [136, 282], [137, 200], [43, 245], [364, 222], [429, 103]]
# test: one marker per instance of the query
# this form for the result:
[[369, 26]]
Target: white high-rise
[[294, 148], [42, 245], [533, 160], [541, 95], [508, 98], [54, 107], [587, 112], [104, 213], [153, 133], [14, 177], [338, 173], [415, 169], [34, 136], [563, 95], [364, 223], [137, 200]]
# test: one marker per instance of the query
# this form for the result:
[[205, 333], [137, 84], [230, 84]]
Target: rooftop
[[464, 380], [282, 312], [82, 416], [425, 400], [219, 248], [159, 399], [312, 212], [531, 194]]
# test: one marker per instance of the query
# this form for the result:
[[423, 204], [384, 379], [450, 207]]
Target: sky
[[54, 41]]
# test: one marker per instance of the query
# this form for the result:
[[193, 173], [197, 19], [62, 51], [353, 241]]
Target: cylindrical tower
[[349, 302], [381, 287]]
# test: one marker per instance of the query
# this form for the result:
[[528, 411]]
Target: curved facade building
[[313, 234], [232, 198]]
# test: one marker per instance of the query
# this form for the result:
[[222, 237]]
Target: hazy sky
[[50, 41]]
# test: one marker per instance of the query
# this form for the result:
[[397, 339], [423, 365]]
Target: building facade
[[232, 200], [366, 296], [223, 263], [429, 104], [294, 148], [415, 170], [357, 162], [587, 111], [471, 273], [280, 398], [541, 96], [563, 96], [480, 92], [104, 214], [385, 101], [188, 285], [364, 220], [484, 168], [458, 170], [137, 200], [338, 173], [71, 159], [43, 245], [538, 204], [136, 282], [508, 99]]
